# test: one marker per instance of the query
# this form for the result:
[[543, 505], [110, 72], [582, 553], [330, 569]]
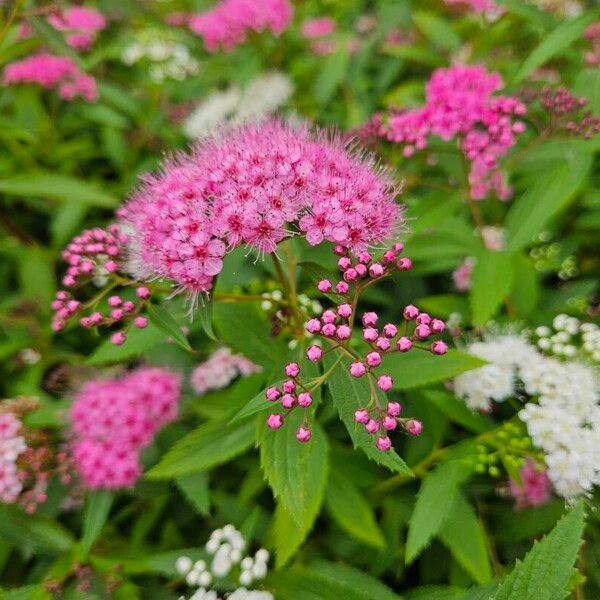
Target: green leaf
[[556, 42], [525, 293], [587, 84], [437, 30], [549, 195], [439, 490], [545, 572], [94, 517], [196, 490], [28, 592], [245, 329], [60, 187], [33, 532], [350, 394], [209, 445], [457, 411], [491, 283], [510, 525], [36, 274], [296, 472], [351, 511], [164, 321], [205, 312], [287, 535], [258, 404], [322, 580], [138, 341], [417, 368], [333, 72], [464, 536]]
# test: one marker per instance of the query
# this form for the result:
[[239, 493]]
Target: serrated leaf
[[464, 536], [558, 40], [138, 342], [351, 511], [245, 329], [322, 580], [196, 490], [60, 187], [434, 503], [549, 195], [164, 321], [416, 368], [296, 472], [94, 517], [209, 445], [457, 411], [350, 394], [491, 283], [545, 572]]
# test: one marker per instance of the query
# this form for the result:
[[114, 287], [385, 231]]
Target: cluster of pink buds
[[94, 256], [335, 327], [292, 395]]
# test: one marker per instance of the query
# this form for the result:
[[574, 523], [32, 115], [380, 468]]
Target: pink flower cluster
[[220, 369], [336, 327], [97, 253], [461, 276], [80, 24], [460, 103], [319, 32], [114, 419], [51, 71], [592, 34], [256, 185], [12, 445], [227, 24], [534, 488]]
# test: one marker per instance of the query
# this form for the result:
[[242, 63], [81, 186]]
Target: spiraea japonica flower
[[80, 25], [461, 103], [114, 419], [227, 547], [562, 409], [51, 71], [220, 369], [228, 24], [333, 332], [255, 185]]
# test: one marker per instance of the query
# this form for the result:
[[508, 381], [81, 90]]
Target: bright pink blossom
[[113, 419], [256, 185], [51, 71], [228, 24], [81, 25], [534, 488], [320, 27]]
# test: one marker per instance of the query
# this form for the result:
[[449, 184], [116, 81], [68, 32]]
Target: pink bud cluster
[[565, 110], [291, 395], [220, 369], [81, 25], [51, 71], [228, 24], [256, 185], [460, 103], [336, 327], [97, 253], [114, 419]]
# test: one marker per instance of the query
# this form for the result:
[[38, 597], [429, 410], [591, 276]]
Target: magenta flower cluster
[[95, 254], [220, 369], [114, 419], [80, 24], [534, 489], [51, 71], [335, 327], [460, 103], [256, 185], [228, 24]]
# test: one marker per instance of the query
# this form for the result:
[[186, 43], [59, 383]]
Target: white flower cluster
[[262, 97], [495, 381], [226, 546], [569, 337], [564, 422], [12, 445], [169, 58]]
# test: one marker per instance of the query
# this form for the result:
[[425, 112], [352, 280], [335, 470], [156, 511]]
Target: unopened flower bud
[[274, 421]]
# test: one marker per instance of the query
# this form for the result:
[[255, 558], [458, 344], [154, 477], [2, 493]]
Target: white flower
[[263, 96], [183, 565]]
